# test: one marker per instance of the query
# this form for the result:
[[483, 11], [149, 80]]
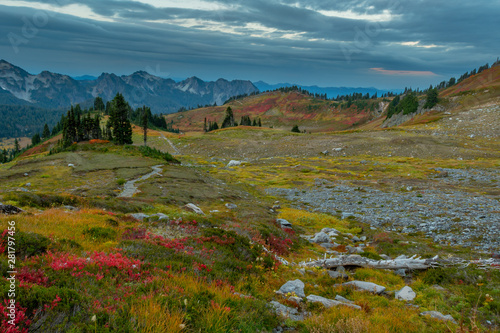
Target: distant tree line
[[229, 121]]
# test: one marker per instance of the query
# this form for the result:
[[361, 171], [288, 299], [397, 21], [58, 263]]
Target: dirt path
[[130, 189], [176, 151]]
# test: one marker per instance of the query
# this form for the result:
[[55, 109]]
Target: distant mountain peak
[[52, 90]]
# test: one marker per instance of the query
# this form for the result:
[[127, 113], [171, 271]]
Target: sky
[[387, 44]]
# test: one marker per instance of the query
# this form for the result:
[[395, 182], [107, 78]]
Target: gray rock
[[26, 174], [406, 294], [324, 152], [139, 216], [231, 206], [365, 286], [328, 303], [320, 237], [295, 286], [352, 249], [346, 215], [385, 257], [22, 189], [336, 275], [233, 163], [295, 299], [327, 245], [27, 184], [70, 207], [400, 272], [194, 208], [9, 209], [71, 165], [284, 223], [438, 315], [341, 269], [356, 239], [286, 311], [342, 299]]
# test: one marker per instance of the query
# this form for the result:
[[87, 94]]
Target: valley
[[243, 222]]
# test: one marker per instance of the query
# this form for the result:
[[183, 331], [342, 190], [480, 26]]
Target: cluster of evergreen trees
[[78, 128], [154, 120], [230, 122]]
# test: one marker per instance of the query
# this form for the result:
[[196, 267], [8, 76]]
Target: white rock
[[284, 223], [438, 315], [295, 286], [365, 286], [406, 294], [320, 237], [231, 206], [233, 163], [194, 208], [71, 165], [329, 302]]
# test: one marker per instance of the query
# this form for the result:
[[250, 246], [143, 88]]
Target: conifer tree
[[46, 132], [118, 120]]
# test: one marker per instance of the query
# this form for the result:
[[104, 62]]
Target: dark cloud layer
[[319, 42]]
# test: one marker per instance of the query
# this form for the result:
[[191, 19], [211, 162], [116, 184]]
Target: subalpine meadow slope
[[288, 219]]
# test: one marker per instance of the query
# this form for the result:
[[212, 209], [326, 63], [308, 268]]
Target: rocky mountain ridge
[[52, 90]]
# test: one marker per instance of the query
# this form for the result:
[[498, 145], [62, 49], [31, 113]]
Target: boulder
[[320, 237], [336, 275], [71, 165], [284, 223], [365, 286], [70, 207], [139, 216], [328, 303], [231, 206], [194, 208], [438, 315], [286, 311], [295, 286], [327, 230], [342, 299], [406, 294], [352, 249], [9, 209], [233, 163]]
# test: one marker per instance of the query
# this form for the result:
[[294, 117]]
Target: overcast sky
[[357, 43]]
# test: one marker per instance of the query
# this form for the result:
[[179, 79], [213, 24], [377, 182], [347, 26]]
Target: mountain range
[[51, 90], [331, 92]]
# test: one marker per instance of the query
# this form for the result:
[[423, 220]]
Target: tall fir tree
[[122, 129], [46, 132]]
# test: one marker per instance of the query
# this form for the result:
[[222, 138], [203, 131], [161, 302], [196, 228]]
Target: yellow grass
[[58, 224], [315, 221], [151, 317]]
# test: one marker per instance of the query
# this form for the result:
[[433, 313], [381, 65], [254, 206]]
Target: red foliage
[[97, 141], [21, 322], [279, 245], [28, 275]]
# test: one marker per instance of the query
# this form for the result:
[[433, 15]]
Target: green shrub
[[121, 181], [155, 153], [41, 200], [371, 255], [30, 244], [100, 233]]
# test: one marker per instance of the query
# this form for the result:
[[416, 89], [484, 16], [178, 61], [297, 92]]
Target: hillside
[[107, 240], [284, 110], [488, 79]]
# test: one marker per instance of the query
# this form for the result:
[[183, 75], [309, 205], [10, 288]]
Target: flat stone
[[139, 216], [438, 315], [231, 206], [406, 294], [328, 303], [336, 275], [295, 286], [342, 299], [194, 208], [286, 311], [365, 286], [346, 215]]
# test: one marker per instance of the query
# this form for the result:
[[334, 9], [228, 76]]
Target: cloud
[[406, 73], [273, 40]]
